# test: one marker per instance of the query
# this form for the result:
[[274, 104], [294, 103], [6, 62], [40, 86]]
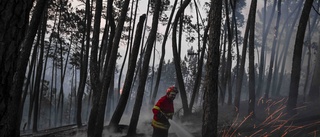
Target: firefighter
[[162, 112]]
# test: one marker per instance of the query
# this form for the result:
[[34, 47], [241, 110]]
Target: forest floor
[[270, 119]]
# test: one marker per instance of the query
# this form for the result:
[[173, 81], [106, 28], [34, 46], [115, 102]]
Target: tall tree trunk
[[229, 56], [210, 103], [278, 55], [53, 66], [181, 17], [26, 86], [84, 62], [53, 91], [56, 107], [264, 41], [31, 94], [43, 34], [152, 72], [296, 63], [314, 90], [14, 60], [306, 83], [94, 70], [234, 27], [60, 105], [275, 39], [112, 26], [287, 43], [74, 111], [129, 45], [223, 70], [116, 117], [308, 45], [252, 96], [110, 99], [143, 76], [63, 75], [96, 126], [196, 88], [241, 69], [37, 87], [200, 65], [163, 52], [176, 58]]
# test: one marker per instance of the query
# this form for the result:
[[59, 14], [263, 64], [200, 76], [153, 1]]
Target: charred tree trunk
[[176, 58], [94, 70], [27, 84], [229, 56], [31, 93], [241, 69], [96, 126], [143, 76], [116, 117], [296, 63], [39, 72], [129, 46], [37, 89], [14, 60], [223, 70], [163, 52], [252, 96], [84, 63], [210, 103], [43, 34]]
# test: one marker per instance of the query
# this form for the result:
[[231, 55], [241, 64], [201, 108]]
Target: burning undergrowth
[[271, 119]]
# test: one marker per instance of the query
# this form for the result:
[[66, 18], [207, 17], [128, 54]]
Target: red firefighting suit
[[163, 110]]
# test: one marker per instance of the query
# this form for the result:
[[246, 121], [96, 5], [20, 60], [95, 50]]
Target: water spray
[[178, 129]]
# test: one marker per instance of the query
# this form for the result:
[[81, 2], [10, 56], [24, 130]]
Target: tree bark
[[252, 96], [116, 117], [176, 58], [237, 97], [37, 86], [97, 125], [94, 70], [223, 69], [296, 63], [14, 63], [143, 76], [84, 63], [163, 52], [210, 103], [229, 56]]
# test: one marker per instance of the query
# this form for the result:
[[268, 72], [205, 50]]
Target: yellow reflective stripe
[[159, 124], [156, 107]]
